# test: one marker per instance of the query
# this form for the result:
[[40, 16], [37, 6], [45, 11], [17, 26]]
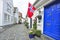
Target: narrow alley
[[16, 32], [30, 20]]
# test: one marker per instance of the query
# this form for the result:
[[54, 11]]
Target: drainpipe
[[30, 22]]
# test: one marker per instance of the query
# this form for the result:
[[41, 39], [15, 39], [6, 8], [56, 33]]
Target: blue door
[[52, 20]]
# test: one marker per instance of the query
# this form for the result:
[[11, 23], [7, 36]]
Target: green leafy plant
[[38, 33], [39, 17], [32, 31], [35, 25], [26, 24]]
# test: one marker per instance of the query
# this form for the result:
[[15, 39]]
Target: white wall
[[40, 25], [10, 2], [1, 8], [17, 16], [33, 17], [28, 20], [3, 11]]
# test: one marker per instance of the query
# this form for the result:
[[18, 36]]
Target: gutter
[[42, 3]]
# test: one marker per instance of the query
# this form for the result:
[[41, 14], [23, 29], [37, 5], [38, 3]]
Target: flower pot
[[31, 36]]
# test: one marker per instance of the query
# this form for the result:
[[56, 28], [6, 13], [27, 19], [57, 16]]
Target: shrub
[[26, 24], [32, 31], [38, 33], [35, 25]]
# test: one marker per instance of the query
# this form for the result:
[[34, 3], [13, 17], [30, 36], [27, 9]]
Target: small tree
[[35, 25], [38, 33], [26, 24]]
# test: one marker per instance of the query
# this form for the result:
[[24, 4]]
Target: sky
[[22, 5]]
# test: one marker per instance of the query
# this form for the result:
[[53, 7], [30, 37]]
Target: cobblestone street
[[17, 32]]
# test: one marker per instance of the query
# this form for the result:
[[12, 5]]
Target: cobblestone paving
[[17, 32]]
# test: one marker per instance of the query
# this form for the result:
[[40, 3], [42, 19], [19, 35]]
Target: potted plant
[[39, 17], [26, 24], [31, 33], [38, 33], [35, 25]]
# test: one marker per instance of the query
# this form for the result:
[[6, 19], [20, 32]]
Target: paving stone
[[16, 32]]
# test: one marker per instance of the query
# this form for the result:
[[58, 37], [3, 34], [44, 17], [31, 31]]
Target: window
[[12, 18], [39, 18], [15, 9], [5, 17], [8, 8], [8, 18]]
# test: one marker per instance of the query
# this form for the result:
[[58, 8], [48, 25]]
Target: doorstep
[[45, 37]]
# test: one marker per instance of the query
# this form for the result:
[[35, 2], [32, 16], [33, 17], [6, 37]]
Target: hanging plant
[[39, 17]]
